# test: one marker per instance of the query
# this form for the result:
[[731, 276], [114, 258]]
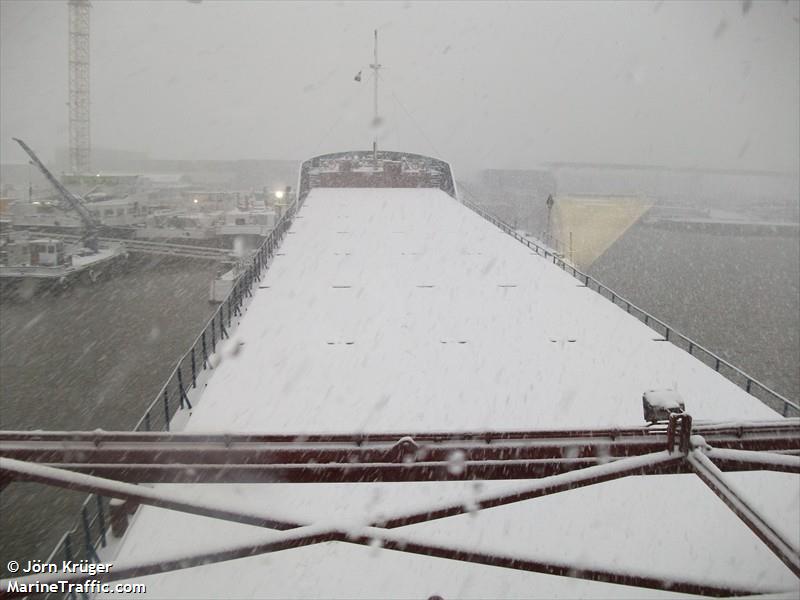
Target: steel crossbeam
[[247, 458], [747, 431], [592, 456], [714, 479], [297, 537], [302, 536], [641, 465], [306, 536]]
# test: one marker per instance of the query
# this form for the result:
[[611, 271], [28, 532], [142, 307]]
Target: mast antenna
[[375, 66]]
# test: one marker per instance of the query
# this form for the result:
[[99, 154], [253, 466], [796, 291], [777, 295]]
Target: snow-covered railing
[[90, 532], [174, 394], [732, 373]]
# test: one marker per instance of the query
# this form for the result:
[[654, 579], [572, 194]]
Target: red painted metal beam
[[575, 571], [734, 430], [343, 473], [588, 476], [731, 460], [135, 493], [304, 536], [273, 454], [715, 479], [366, 536], [640, 465], [189, 458], [167, 499]]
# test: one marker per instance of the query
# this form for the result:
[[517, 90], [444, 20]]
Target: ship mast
[[375, 66]]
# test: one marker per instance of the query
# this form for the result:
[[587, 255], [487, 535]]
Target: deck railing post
[[223, 333], [68, 547], [69, 556], [166, 408], [101, 519], [194, 370], [213, 336], [181, 391], [205, 351], [91, 553]]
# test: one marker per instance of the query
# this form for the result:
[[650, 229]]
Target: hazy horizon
[[711, 85]]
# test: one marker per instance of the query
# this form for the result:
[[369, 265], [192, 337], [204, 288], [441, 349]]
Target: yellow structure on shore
[[587, 226]]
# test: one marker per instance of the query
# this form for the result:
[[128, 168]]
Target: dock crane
[[76, 203]]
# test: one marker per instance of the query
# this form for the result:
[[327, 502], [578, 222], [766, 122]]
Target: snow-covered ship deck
[[398, 310]]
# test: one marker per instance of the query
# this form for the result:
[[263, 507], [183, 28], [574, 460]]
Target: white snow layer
[[400, 310]]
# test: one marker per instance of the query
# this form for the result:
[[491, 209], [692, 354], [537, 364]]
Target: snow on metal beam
[[742, 430], [178, 458], [272, 542], [714, 479], [366, 535], [344, 473], [588, 476], [639, 465], [128, 491], [408, 544], [166, 499], [729, 460]]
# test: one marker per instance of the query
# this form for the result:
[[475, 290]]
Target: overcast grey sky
[[487, 84]]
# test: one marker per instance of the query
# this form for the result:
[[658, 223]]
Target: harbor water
[[92, 357]]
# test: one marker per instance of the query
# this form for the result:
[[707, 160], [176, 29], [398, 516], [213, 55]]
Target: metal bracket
[[405, 450], [679, 433]]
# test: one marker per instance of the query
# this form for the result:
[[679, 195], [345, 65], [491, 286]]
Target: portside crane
[[76, 203]]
